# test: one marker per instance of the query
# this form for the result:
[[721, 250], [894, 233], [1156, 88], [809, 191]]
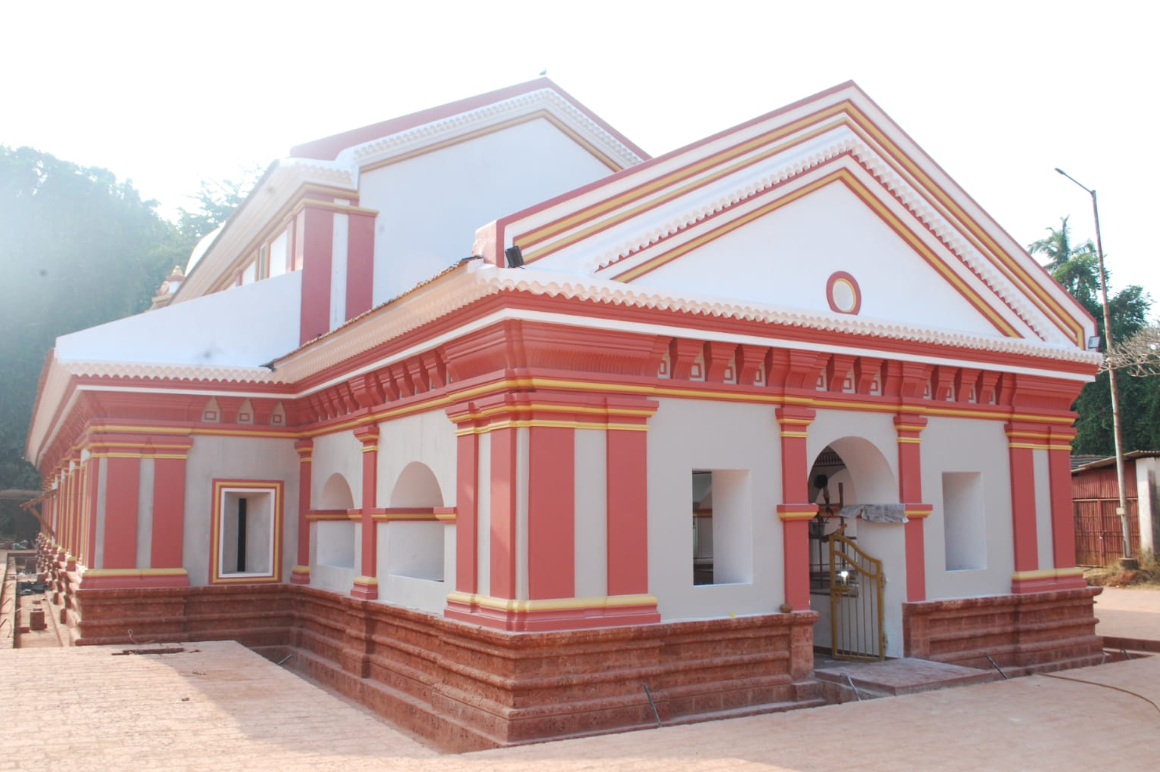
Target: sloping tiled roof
[[1099, 462]]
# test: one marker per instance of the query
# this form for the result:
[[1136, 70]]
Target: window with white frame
[[247, 529]]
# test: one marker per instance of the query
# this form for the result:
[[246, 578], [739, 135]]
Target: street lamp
[[1117, 431]]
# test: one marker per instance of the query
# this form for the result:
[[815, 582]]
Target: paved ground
[[1133, 613], [223, 708]]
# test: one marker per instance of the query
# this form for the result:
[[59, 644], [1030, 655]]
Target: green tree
[[1076, 267], [77, 248], [216, 201]]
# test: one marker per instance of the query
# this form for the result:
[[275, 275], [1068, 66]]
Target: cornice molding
[[277, 189], [733, 196], [383, 149]]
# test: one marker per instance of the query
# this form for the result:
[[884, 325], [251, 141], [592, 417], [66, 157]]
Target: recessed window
[[415, 549], [247, 531], [964, 521], [722, 527]]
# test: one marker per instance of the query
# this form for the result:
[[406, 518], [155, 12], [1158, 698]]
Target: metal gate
[[856, 629]]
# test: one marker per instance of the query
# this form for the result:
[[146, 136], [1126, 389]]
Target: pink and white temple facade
[[461, 491]]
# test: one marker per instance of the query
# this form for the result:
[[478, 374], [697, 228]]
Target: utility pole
[[1128, 561]]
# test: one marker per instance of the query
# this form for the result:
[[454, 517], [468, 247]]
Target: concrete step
[[1131, 644], [750, 710], [893, 677]]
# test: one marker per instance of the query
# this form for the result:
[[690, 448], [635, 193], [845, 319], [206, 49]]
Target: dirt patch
[[1146, 576]]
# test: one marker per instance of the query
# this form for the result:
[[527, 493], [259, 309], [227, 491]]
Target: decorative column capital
[[794, 419], [909, 427], [369, 437], [1035, 436]]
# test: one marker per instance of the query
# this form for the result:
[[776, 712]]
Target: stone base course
[[1031, 633], [466, 687]]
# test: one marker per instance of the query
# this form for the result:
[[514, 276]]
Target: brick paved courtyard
[[220, 707]]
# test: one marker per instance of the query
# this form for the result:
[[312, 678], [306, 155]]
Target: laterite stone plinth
[[1028, 633], [466, 687]]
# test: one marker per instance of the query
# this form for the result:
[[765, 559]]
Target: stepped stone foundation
[[466, 687], [1023, 634]]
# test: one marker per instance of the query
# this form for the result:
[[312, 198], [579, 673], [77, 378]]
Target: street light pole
[[1117, 431]]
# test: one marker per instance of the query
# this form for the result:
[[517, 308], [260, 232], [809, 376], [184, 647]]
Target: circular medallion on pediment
[[843, 293]]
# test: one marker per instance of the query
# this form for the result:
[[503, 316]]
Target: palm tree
[[1076, 268]]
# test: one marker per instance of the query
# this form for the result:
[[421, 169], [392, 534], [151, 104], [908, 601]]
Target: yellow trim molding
[[381, 517], [551, 604], [1048, 573], [135, 572]]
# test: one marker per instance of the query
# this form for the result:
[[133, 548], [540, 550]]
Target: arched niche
[[335, 539], [336, 493], [416, 487]]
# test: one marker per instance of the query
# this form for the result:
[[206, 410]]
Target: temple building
[[489, 419]]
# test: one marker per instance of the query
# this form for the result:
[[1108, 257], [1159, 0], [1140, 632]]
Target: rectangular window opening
[[722, 527], [246, 528], [964, 521]]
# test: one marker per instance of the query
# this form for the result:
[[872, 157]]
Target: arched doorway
[[856, 538]]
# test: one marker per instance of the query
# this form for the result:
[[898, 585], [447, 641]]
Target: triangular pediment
[[826, 206], [827, 251]]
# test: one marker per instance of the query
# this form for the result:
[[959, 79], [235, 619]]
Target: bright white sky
[[999, 93]]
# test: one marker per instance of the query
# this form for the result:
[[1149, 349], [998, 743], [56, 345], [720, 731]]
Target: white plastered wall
[[409, 547], [340, 452], [428, 438], [787, 256], [867, 443], [1147, 479], [688, 435], [468, 184], [236, 458], [968, 445]]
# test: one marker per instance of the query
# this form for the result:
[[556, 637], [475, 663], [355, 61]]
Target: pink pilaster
[[503, 513], [301, 572], [122, 483], [909, 427], [317, 243], [366, 586], [169, 503], [796, 510], [360, 263], [551, 512], [1062, 515], [1021, 441], [627, 504]]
